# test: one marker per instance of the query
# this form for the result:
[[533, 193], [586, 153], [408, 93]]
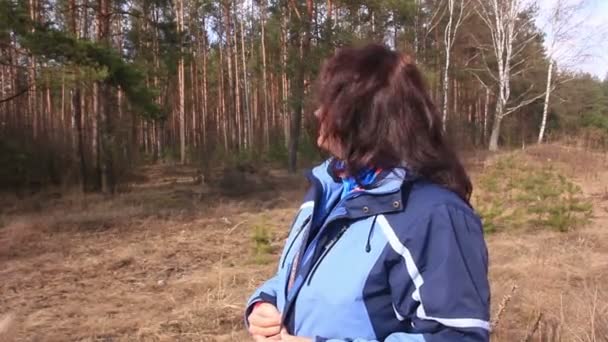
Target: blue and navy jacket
[[403, 260]]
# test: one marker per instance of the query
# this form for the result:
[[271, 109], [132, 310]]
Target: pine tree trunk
[[284, 88], [194, 101], [256, 121], [299, 88], [144, 136], [63, 126], [79, 141], [158, 137], [49, 122], [180, 80], [33, 93], [237, 87], [273, 103], [230, 108], [246, 109], [95, 138], [205, 107], [222, 120], [105, 108], [107, 139], [4, 112], [156, 128], [265, 77]]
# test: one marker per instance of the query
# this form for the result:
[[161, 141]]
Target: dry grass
[[564, 276], [168, 261]]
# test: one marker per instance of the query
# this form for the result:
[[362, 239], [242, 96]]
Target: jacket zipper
[[306, 221], [326, 250]]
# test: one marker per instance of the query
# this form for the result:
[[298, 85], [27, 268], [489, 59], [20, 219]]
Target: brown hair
[[375, 104]]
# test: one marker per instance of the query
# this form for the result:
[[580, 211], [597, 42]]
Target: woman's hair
[[375, 105]]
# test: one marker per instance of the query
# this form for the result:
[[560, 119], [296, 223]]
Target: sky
[[590, 35]]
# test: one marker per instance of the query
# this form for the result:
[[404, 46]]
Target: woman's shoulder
[[428, 193], [427, 199], [431, 211]]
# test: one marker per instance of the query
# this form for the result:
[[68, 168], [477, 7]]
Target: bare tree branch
[[521, 104], [17, 94], [294, 6], [435, 19]]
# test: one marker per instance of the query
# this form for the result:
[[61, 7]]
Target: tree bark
[[543, 124], [106, 105], [237, 77], [284, 87], [77, 118], [63, 100], [449, 37], [495, 135], [247, 109], [49, 125], [96, 184], [179, 10], [205, 106], [33, 93], [194, 100], [231, 110], [222, 120], [299, 88], [265, 76]]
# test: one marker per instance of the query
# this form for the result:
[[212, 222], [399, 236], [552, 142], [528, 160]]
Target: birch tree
[[564, 26], [449, 36], [505, 22]]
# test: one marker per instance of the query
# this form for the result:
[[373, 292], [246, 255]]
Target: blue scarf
[[366, 177]]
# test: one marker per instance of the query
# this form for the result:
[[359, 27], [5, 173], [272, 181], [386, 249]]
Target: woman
[[386, 246]]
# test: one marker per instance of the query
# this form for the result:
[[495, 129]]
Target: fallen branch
[[530, 333]]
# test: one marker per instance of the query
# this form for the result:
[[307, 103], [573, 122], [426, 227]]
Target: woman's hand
[[286, 337], [265, 323]]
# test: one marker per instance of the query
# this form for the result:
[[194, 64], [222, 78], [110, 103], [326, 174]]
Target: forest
[[91, 89]]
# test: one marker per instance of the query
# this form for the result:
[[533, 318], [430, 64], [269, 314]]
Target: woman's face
[[324, 140]]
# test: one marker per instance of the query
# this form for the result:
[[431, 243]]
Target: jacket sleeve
[[439, 282], [267, 292]]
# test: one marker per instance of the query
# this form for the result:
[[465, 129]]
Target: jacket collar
[[384, 196]]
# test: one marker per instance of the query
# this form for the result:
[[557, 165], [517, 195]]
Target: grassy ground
[[174, 259]]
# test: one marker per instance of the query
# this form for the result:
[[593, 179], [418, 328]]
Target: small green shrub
[[277, 153], [261, 244], [516, 194]]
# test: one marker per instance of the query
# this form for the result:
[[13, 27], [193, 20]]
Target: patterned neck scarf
[[365, 178]]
